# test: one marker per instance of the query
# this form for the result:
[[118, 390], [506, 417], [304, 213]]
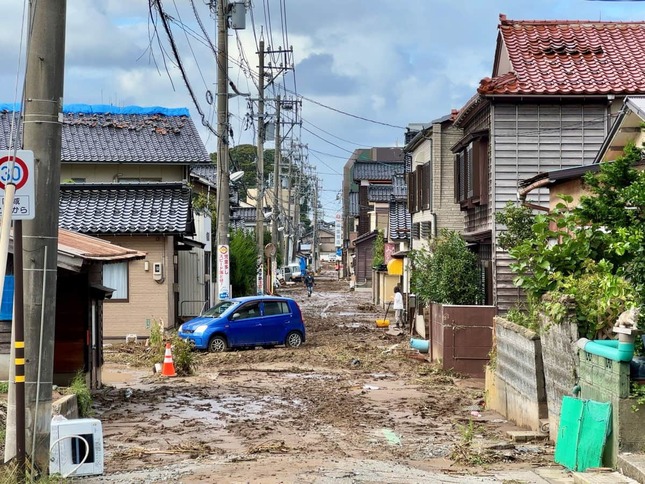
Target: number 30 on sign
[[17, 168]]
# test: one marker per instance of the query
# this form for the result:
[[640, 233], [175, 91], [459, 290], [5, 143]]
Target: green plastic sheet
[[584, 428]]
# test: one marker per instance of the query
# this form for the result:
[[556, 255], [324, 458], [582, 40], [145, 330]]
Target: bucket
[[382, 323], [420, 344]]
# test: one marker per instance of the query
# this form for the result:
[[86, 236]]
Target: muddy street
[[353, 404]]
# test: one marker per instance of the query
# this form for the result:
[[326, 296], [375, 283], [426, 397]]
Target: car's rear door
[[275, 320]]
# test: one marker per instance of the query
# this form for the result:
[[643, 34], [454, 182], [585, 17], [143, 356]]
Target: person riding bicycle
[[309, 283]]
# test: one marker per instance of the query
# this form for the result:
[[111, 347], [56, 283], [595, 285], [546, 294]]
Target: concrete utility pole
[[259, 218], [42, 135], [277, 160], [223, 202], [314, 238]]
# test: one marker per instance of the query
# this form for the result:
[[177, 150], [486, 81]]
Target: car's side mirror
[[235, 316]]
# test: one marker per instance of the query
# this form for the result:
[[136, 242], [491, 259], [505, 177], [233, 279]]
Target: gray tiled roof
[[399, 187], [102, 137], [118, 208], [376, 171], [207, 173], [353, 204], [400, 221], [379, 193], [245, 214]]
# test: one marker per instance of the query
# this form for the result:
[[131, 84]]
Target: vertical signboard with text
[[338, 232], [223, 272]]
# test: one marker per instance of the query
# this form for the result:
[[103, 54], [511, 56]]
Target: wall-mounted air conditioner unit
[[76, 447]]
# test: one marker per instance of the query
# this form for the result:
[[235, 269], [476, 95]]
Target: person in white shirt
[[398, 307]]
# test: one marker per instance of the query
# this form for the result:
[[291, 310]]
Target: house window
[[115, 276], [471, 173], [420, 188]]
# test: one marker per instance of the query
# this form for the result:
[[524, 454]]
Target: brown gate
[[461, 337]]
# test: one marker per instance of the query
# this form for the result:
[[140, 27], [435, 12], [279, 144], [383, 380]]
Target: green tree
[[243, 262], [447, 273], [592, 252], [378, 258]]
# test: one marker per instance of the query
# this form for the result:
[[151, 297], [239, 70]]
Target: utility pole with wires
[[259, 221], [42, 128], [236, 11], [259, 204], [277, 159], [223, 203]]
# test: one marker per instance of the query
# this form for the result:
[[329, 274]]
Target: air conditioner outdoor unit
[[76, 447]]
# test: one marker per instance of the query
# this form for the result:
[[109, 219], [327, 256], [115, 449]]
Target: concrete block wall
[[560, 361], [605, 380], [516, 387]]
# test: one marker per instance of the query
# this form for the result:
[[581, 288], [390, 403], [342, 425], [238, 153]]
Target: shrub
[[448, 273], [183, 356], [79, 387]]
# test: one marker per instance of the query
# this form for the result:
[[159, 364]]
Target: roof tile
[[99, 137], [570, 57], [114, 208]]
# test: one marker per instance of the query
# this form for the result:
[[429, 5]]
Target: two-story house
[[555, 88], [431, 180], [368, 193], [125, 178]]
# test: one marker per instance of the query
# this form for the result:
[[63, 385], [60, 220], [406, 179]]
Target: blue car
[[245, 322]]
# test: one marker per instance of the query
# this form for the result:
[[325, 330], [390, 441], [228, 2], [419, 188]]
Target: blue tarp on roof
[[107, 109]]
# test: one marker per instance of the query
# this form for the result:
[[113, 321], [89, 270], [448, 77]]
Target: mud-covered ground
[[354, 404]]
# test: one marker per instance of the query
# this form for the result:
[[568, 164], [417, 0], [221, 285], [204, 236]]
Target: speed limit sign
[[17, 168]]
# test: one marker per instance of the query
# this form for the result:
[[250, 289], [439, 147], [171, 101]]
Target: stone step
[[632, 465], [601, 477]]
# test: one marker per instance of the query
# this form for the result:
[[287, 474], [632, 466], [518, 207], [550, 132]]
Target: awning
[[395, 267]]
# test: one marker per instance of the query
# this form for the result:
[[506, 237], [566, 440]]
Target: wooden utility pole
[[42, 129], [259, 217], [223, 202]]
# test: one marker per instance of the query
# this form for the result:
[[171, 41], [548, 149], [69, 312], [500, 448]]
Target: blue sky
[[390, 63]]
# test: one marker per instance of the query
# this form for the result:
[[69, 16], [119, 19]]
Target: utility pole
[[43, 99], [277, 159], [223, 202], [259, 217], [289, 234], [314, 248]]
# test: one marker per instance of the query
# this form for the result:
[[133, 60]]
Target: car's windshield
[[218, 309]]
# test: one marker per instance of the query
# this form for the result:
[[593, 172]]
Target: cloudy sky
[[364, 69]]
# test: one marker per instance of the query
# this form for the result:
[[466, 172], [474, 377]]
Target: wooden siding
[[528, 139], [148, 300]]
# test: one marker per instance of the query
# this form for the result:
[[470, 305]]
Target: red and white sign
[[17, 168]]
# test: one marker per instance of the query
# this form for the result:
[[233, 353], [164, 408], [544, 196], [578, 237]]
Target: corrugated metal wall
[[528, 139], [192, 292]]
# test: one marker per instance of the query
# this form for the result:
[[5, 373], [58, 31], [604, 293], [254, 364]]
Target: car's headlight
[[201, 328]]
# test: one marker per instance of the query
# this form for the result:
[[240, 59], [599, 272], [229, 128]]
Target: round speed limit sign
[[18, 174]]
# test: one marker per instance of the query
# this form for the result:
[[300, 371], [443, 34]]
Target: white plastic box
[[67, 450]]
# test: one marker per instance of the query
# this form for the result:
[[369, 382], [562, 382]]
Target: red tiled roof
[[570, 57]]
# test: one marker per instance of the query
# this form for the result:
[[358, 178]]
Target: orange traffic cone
[[168, 366]]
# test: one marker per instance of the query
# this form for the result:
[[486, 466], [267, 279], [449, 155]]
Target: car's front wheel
[[217, 344], [293, 340]]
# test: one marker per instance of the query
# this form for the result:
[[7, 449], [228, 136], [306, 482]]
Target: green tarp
[[583, 431]]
